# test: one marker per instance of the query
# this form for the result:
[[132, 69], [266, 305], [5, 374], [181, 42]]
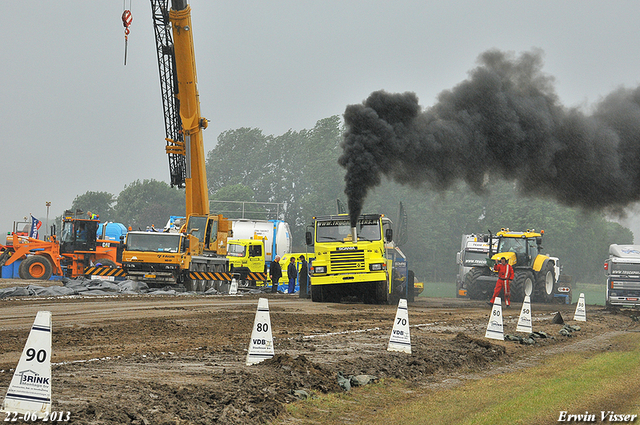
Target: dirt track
[[181, 360]]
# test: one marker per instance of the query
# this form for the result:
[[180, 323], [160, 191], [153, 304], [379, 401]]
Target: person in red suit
[[505, 276]]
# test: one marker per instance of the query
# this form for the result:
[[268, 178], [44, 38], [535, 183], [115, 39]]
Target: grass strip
[[574, 382]]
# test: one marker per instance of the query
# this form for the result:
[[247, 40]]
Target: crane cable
[[127, 18]]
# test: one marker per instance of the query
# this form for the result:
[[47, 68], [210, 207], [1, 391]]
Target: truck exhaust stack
[[354, 234]]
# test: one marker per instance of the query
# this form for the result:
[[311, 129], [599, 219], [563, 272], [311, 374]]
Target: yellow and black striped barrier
[[257, 276], [211, 275], [104, 271], [225, 276]]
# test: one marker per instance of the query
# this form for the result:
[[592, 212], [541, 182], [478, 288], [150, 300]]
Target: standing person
[[505, 276], [303, 277], [275, 272], [292, 272]]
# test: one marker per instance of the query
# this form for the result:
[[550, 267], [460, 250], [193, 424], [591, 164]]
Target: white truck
[[622, 270], [474, 252]]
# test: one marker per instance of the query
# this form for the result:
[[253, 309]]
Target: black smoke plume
[[504, 121]]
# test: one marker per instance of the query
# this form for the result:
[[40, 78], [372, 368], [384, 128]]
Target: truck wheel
[[546, 284], [382, 292], [522, 285], [475, 289], [36, 267], [316, 294], [411, 291]]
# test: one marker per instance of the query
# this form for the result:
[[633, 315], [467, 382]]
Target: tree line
[[300, 170]]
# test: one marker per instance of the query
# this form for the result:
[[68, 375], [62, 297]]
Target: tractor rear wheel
[[522, 285], [36, 267], [546, 284]]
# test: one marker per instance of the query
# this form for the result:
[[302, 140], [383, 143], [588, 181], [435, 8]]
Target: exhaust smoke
[[504, 121]]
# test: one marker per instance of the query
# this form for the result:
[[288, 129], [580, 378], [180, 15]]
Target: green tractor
[[534, 273]]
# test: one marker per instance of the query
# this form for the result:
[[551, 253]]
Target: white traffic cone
[[261, 344], [524, 321], [400, 339], [494, 327], [233, 288], [30, 389], [581, 310]]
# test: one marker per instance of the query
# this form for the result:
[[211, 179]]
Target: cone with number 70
[[400, 339]]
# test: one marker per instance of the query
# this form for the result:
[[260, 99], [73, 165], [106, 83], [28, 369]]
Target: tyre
[[105, 262], [522, 285], [411, 292], [475, 289], [382, 292], [546, 284], [317, 294], [36, 267]]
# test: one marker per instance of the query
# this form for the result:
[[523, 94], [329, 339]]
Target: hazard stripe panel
[[210, 276], [225, 276], [104, 271]]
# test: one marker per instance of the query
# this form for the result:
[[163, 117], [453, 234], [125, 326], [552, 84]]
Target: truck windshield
[[340, 230], [156, 242], [474, 258], [235, 250]]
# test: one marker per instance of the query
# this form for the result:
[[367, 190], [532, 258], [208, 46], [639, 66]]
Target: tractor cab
[[519, 248], [78, 235]]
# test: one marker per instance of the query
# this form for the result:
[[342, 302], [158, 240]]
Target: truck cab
[[246, 256], [622, 271]]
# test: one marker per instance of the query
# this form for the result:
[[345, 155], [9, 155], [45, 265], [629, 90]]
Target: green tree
[[147, 203], [100, 203], [298, 169]]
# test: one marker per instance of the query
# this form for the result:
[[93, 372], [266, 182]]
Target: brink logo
[[30, 377]]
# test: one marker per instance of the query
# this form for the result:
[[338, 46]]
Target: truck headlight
[[376, 267], [319, 269]]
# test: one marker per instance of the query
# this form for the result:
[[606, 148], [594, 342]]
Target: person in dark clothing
[[292, 272], [303, 277], [275, 272]]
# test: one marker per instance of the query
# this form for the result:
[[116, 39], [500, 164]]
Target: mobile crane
[[196, 256]]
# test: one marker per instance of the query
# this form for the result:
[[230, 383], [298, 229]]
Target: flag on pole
[[35, 225]]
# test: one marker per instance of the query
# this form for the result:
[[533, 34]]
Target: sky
[[76, 119]]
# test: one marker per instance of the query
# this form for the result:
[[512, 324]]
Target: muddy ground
[[181, 359]]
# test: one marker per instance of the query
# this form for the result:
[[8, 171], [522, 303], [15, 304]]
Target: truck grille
[[347, 261]]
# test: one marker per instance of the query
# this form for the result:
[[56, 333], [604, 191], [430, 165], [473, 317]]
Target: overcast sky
[[75, 119]]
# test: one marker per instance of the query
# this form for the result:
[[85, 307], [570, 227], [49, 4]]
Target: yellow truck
[[367, 267], [247, 258]]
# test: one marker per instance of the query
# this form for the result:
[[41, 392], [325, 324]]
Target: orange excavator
[[78, 247]]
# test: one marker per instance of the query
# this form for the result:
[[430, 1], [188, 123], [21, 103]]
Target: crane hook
[[127, 18]]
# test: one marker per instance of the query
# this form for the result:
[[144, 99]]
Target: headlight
[[319, 269], [376, 267]]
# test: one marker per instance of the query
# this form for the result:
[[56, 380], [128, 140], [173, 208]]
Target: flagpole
[[47, 231]]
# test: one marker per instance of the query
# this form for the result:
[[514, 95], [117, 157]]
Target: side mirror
[[458, 258], [389, 235], [308, 238]]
